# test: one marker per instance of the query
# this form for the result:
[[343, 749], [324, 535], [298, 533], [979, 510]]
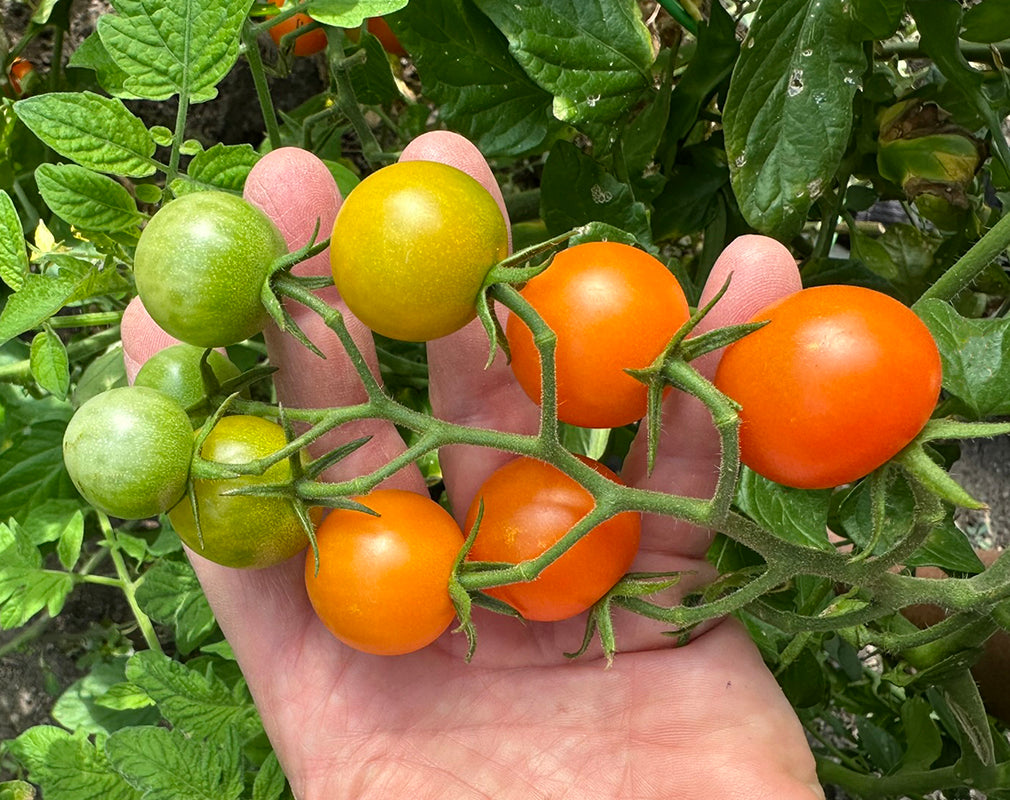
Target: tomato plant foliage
[[671, 128]]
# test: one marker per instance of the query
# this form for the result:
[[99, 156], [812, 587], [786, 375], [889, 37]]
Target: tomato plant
[[383, 580], [838, 382], [612, 307], [177, 372], [528, 506], [200, 265], [411, 246], [128, 451], [308, 42], [241, 530]]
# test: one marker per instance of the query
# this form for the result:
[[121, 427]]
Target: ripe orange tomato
[[613, 307], [306, 44], [19, 70], [528, 506], [383, 581], [838, 382]]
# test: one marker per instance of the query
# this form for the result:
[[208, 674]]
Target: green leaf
[[904, 255], [16, 790], [945, 547], [97, 132], [13, 254], [789, 110], [879, 744], [168, 765], [975, 354], [576, 190], [171, 595], [594, 58], [372, 78], [68, 766], [50, 521], [690, 199], [87, 200], [81, 707], [50, 363], [270, 781], [223, 166], [32, 471], [39, 298], [351, 13], [466, 69], [68, 548], [878, 18], [104, 373], [925, 744], [26, 588], [795, 515], [987, 22], [184, 47], [201, 705], [91, 54]]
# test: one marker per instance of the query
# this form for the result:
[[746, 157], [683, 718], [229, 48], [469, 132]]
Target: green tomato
[[241, 530], [411, 246], [176, 371], [128, 451], [200, 265]]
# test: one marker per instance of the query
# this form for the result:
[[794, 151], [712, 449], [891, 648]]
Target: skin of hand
[[521, 721]]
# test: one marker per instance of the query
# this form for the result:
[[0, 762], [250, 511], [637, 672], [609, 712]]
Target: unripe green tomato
[[128, 451], [200, 265], [241, 530], [176, 371], [411, 246]]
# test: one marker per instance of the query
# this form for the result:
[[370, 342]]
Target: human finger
[[297, 191], [462, 388], [760, 270]]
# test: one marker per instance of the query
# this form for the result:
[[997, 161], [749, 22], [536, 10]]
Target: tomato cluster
[[837, 382]]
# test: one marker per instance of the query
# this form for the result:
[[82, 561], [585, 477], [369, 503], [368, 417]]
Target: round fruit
[[128, 451], [241, 530], [612, 307], [200, 266], [383, 581], [306, 44], [176, 371], [411, 246], [837, 383], [528, 506]]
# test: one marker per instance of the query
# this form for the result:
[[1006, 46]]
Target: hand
[[520, 721]]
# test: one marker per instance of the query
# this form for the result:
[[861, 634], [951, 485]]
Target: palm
[[520, 721]]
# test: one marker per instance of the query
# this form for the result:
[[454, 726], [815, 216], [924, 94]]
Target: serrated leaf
[[32, 471], [945, 547], [68, 548], [49, 363], [79, 707], [789, 110], [351, 13], [795, 515], [975, 356], [594, 58], [69, 767], [39, 298], [466, 69], [167, 765], [223, 167], [124, 697], [577, 190], [49, 521], [13, 253], [201, 705], [185, 47], [171, 594], [87, 200], [97, 132], [91, 54], [26, 588], [270, 781]]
